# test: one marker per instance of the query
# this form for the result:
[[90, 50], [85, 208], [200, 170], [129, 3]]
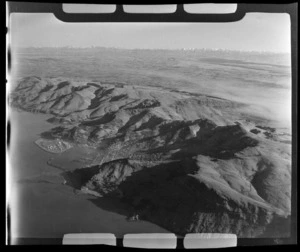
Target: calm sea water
[[41, 206]]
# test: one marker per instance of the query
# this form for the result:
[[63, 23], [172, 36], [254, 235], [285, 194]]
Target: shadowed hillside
[[188, 161]]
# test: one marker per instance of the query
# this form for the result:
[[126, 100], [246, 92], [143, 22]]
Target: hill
[[188, 161]]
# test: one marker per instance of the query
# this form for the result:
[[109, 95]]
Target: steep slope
[[186, 196], [187, 161]]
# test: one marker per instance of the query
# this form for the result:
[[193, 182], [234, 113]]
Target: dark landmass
[[190, 163]]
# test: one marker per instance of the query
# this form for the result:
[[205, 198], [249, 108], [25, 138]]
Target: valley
[[198, 145]]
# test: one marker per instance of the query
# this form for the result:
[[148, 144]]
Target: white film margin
[[208, 240], [88, 8], [152, 240], [163, 8], [85, 239]]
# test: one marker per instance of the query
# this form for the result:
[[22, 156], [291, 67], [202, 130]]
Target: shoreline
[[85, 190], [53, 165], [53, 144]]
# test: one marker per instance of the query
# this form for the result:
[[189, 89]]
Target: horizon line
[[149, 49]]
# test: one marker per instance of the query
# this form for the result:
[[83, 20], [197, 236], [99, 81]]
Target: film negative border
[[181, 16], [154, 240]]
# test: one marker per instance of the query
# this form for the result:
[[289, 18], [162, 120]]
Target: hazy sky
[[257, 31]]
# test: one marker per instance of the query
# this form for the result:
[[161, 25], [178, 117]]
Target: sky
[[255, 32]]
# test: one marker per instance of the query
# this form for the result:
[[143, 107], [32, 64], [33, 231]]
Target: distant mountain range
[[221, 50]]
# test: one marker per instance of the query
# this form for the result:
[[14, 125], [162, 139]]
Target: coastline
[[55, 166], [53, 146], [85, 190]]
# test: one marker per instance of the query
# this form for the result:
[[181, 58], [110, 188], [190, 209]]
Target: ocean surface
[[41, 206]]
